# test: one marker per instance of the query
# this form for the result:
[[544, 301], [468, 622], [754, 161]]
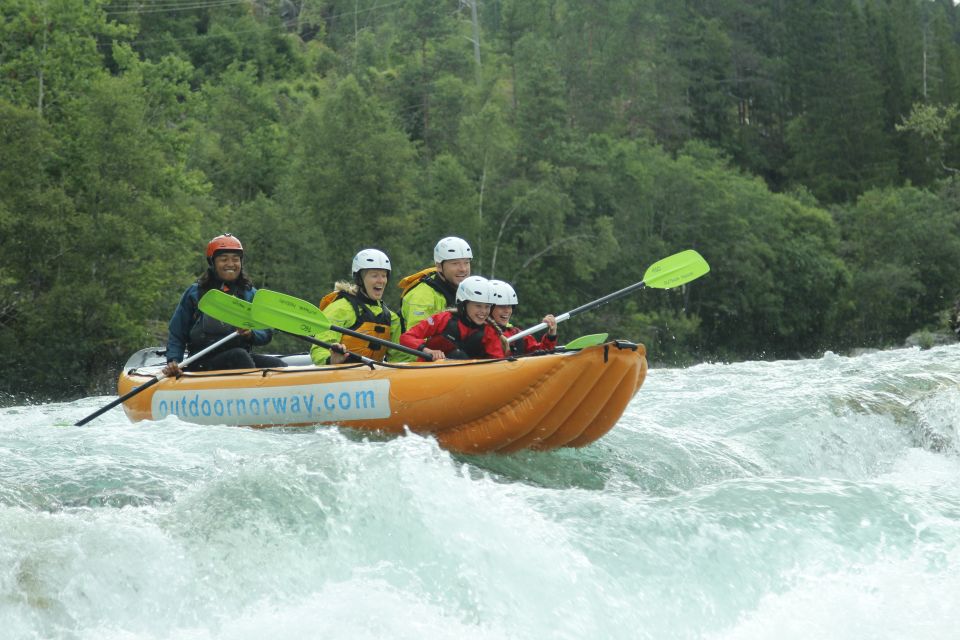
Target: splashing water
[[801, 499]]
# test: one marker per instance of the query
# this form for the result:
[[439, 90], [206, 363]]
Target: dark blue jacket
[[188, 314]]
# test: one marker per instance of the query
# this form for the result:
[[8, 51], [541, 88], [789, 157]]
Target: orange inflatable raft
[[477, 406]]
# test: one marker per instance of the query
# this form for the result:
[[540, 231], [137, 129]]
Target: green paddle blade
[[586, 341], [675, 270], [230, 310], [286, 313]]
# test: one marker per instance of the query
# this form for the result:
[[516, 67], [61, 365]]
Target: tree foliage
[[809, 150]]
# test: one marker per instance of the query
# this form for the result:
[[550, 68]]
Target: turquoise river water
[[792, 499]]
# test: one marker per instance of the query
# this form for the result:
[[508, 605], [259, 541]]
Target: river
[[791, 499]]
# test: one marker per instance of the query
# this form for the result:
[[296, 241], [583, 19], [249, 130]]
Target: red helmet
[[226, 242]]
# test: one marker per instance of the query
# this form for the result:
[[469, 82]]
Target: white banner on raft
[[334, 402]]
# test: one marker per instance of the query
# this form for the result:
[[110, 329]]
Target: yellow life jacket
[[367, 323], [409, 282], [328, 299], [430, 277]]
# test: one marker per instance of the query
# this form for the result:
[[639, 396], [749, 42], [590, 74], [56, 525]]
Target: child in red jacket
[[462, 333], [505, 299]]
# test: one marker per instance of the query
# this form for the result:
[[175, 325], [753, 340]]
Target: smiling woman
[[191, 330], [359, 306]]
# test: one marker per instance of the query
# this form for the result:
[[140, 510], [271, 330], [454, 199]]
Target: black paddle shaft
[[327, 345], [586, 307], [392, 345], [227, 338], [119, 400]]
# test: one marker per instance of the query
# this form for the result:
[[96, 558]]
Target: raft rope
[[619, 344]]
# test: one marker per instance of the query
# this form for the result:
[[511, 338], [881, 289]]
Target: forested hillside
[[809, 149]]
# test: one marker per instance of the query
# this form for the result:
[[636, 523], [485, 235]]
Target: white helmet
[[370, 259], [452, 248], [503, 293], [475, 289]]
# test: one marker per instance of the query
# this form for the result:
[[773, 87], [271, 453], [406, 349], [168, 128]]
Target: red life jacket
[[454, 345]]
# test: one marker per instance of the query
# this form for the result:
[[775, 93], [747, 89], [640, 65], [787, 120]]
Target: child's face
[[478, 312], [501, 314]]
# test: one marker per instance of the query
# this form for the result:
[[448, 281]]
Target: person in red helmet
[[190, 330]]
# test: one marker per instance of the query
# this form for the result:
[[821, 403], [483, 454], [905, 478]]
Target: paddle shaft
[[328, 345], [581, 309], [670, 272], [155, 380]]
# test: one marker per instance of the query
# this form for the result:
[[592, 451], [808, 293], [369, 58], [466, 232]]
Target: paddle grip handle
[[535, 328]]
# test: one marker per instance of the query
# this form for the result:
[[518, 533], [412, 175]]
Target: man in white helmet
[[358, 305], [461, 333], [434, 289]]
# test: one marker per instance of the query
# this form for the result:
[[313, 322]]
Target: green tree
[[488, 153], [33, 240], [98, 242], [240, 140], [931, 124], [774, 278], [839, 143], [541, 114], [903, 250], [351, 185], [50, 50], [734, 52]]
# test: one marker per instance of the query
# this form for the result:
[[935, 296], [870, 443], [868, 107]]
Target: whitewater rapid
[[790, 499]]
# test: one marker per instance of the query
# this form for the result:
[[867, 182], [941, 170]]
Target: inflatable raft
[[476, 406]]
